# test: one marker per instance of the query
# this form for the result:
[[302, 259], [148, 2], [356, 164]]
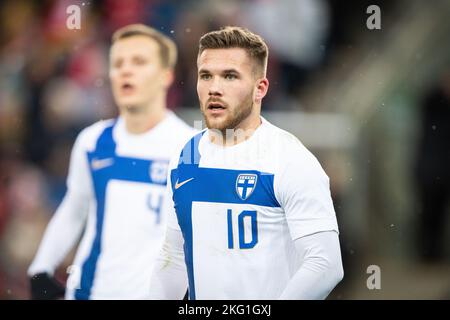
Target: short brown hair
[[167, 47], [237, 37]]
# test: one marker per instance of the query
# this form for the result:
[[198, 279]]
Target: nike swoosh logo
[[98, 164], [177, 185]]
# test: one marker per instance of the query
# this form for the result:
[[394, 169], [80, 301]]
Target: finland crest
[[158, 171], [245, 184]]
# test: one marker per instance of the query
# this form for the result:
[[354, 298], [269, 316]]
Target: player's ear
[[169, 77], [262, 86]]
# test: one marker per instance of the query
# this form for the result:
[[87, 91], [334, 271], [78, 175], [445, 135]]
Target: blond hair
[[167, 47]]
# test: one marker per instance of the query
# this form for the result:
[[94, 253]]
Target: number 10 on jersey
[[244, 215]]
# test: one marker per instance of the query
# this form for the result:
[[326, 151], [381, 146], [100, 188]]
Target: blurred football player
[[117, 180]]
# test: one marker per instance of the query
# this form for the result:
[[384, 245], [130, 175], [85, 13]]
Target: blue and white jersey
[[241, 207], [116, 188]]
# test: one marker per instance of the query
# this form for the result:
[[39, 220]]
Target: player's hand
[[45, 287]]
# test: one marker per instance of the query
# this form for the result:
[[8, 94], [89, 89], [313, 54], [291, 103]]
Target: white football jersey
[[119, 180], [241, 207]]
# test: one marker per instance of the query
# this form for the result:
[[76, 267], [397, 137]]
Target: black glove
[[45, 287]]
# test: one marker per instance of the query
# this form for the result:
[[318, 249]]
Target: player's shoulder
[[88, 137], [285, 141], [177, 131], [187, 146], [180, 125], [291, 152]]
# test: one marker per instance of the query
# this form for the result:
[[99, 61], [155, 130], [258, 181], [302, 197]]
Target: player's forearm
[[61, 234], [321, 269], [169, 278]]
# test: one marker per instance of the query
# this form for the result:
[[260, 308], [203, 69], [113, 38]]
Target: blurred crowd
[[54, 82]]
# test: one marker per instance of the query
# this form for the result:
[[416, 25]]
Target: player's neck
[[143, 119]]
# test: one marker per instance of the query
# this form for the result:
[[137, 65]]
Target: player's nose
[[126, 74], [215, 88], [126, 70]]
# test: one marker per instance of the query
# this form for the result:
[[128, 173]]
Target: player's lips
[[127, 88], [216, 108]]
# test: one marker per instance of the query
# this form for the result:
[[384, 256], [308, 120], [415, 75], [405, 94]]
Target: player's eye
[[230, 76], [139, 61], [205, 76], [117, 64]]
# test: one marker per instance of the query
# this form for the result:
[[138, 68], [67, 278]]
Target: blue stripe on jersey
[[210, 185], [110, 166]]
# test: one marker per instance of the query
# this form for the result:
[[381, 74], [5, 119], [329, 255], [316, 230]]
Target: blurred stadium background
[[372, 105]]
